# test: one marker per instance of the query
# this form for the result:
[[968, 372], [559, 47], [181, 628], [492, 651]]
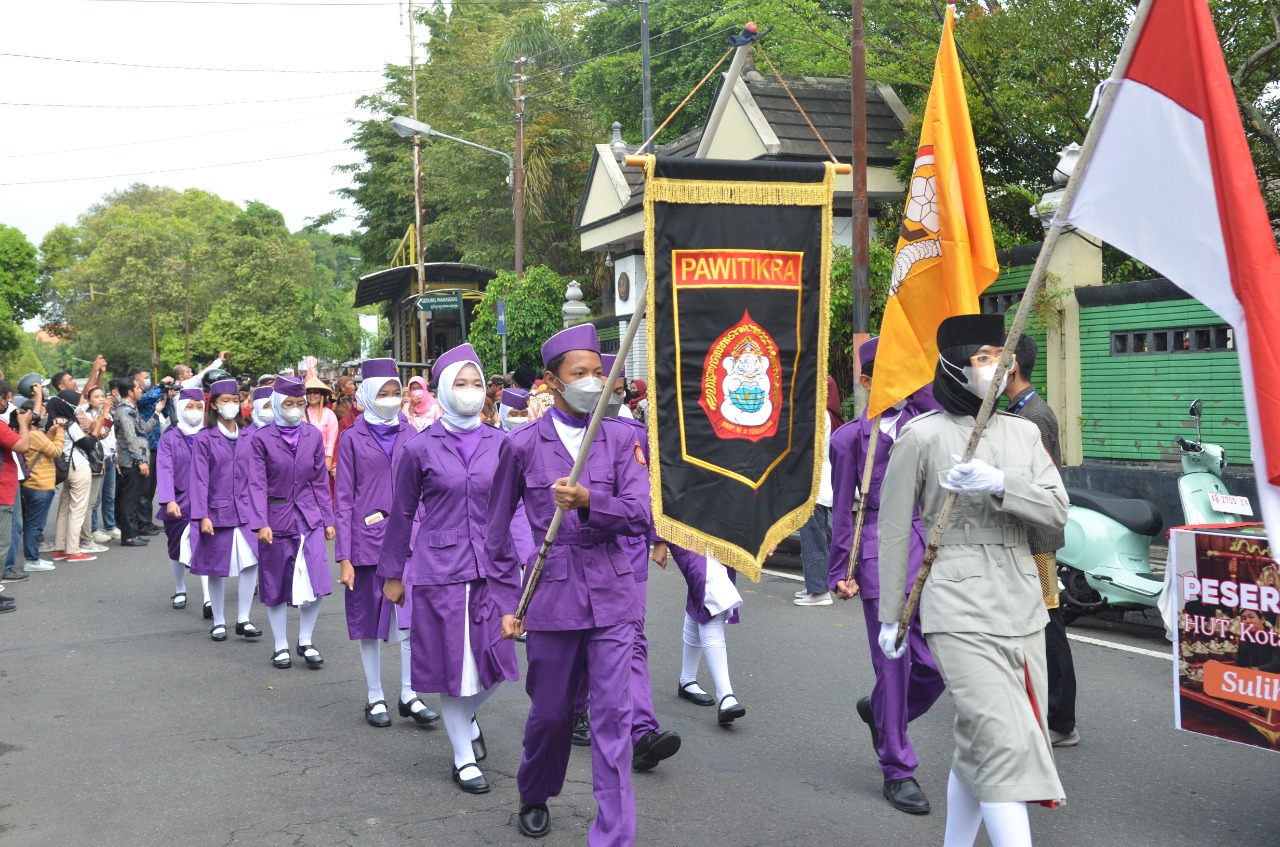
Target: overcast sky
[[39, 191]]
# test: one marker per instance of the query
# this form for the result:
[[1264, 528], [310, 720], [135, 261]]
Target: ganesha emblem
[[741, 384], [919, 238], [746, 385]]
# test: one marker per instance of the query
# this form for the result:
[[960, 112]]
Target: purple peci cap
[[867, 350], [262, 393], [289, 386], [461, 353], [606, 364], [580, 337], [371, 368], [515, 398], [191, 394], [224, 386]]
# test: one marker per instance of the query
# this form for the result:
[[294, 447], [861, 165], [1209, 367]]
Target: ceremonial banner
[[1227, 642], [738, 256], [945, 255]]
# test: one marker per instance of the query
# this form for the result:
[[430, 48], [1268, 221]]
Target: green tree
[[533, 316], [20, 293], [22, 359]]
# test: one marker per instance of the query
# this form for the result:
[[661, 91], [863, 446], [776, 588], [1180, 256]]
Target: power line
[[307, 3], [183, 105], [184, 67], [172, 138], [176, 170]]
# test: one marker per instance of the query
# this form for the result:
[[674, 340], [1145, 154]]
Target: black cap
[[976, 330]]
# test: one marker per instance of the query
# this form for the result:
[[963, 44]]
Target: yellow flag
[[945, 255]]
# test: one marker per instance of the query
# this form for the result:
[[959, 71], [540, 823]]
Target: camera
[[28, 405]]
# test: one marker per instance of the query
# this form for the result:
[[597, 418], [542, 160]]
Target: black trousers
[[1062, 674], [146, 493], [128, 490]]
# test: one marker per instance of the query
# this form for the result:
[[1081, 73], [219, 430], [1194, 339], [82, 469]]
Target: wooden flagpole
[[1034, 284], [860, 520]]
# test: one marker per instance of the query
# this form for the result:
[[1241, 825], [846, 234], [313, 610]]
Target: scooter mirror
[[1196, 406]]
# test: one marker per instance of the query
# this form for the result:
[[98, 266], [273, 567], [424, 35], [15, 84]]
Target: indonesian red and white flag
[[1171, 183]]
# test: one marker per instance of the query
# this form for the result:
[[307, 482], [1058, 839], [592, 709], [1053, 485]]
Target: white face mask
[[582, 394], [980, 379], [192, 417], [264, 416], [227, 411], [468, 401], [386, 407], [288, 417]]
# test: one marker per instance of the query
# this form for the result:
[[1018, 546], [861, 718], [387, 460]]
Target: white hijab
[[257, 410], [180, 406], [277, 402], [444, 396], [367, 393]]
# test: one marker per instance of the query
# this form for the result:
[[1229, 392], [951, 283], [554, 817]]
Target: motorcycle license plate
[[1231, 504]]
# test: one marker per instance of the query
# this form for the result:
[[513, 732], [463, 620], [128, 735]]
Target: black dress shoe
[[281, 659], [218, 633], [379, 720], [581, 730], [478, 747], [149, 530], [653, 748], [697, 698], [8, 604], [134, 542], [208, 610], [535, 819], [423, 716], [248, 630], [905, 795], [310, 655], [732, 713], [475, 785], [869, 718], [179, 601]]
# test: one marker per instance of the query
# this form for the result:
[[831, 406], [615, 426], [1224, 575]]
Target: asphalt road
[[125, 725]]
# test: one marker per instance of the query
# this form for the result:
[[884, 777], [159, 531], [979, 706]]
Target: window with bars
[[999, 304], [1199, 339]]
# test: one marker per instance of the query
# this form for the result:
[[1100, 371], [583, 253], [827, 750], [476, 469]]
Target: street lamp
[[646, 76]]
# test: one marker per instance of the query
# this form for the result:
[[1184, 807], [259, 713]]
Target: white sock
[[406, 664], [717, 654], [456, 712], [307, 615], [204, 588], [964, 815], [371, 659], [1008, 824], [691, 656], [245, 583], [179, 576], [217, 599], [278, 617]]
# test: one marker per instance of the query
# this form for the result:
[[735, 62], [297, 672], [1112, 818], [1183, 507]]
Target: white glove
[[888, 640], [974, 477]]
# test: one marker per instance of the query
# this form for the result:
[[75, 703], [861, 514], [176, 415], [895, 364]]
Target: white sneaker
[[823, 599], [101, 537], [114, 534], [801, 593], [38, 565], [92, 548]]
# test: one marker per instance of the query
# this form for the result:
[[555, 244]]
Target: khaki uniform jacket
[[984, 579]]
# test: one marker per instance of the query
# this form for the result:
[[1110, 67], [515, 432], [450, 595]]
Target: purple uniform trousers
[[556, 662], [643, 719]]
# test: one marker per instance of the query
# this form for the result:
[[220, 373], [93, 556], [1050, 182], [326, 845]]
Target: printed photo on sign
[[1227, 639]]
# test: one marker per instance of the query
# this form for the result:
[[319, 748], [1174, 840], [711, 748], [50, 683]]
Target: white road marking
[[1142, 651], [1097, 642]]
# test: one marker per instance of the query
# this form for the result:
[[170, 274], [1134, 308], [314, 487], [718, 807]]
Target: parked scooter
[[1106, 561]]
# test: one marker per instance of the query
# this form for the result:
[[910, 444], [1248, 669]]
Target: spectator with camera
[[133, 456], [147, 403], [43, 456], [77, 478], [98, 531], [15, 426]]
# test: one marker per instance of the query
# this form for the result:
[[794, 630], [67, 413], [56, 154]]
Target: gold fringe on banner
[[664, 190]]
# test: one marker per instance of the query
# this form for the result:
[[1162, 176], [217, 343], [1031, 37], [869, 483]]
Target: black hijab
[[959, 338]]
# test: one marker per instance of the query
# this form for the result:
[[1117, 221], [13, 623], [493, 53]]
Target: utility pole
[[519, 169], [858, 112], [186, 307], [646, 116], [417, 192]]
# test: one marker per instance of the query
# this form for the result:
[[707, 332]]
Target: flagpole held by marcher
[[1034, 285], [860, 520]]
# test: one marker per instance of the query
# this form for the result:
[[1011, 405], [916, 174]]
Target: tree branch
[[1258, 122], [1253, 61]]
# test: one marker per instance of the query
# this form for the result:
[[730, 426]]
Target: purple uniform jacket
[[588, 581], [362, 489], [454, 499], [288, 490], [219, 488], [173, 473], [637, 548], [848, 454]]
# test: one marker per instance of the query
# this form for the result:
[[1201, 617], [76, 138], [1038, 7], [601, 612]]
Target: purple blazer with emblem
[[288, 490], [173, 473], [218, 485], [363, 487], [449, 546], [588, 581]]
